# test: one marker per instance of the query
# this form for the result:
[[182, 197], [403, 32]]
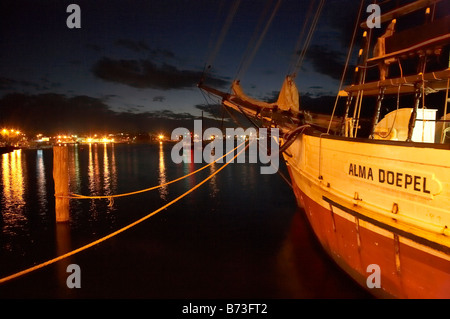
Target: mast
[[424, 43]]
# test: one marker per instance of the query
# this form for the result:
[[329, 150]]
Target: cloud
[[214, 110], [107, 97], [136, 46], [326, 61], [56, 113], [162, 53], [94, 47], [141, 46], [167, 114], [344, 22], [320, 104], [159, 98], [217, 112], [271, 97], [7, 84], [146, 74]]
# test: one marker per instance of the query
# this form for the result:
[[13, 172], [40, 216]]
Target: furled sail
[[288, 98], [237, 91]]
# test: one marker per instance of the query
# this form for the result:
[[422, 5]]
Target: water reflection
[[305, 271], [63, 245], [13, 201], [188, 167], [212, 182], [106, 177], [41, 182], [102, 173], [91, 180], [295, 272], [101, 169], [113, 169], [74, 169], [93, 171], [163, 191]]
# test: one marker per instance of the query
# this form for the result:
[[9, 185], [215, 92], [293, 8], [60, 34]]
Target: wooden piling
[[61, 179]]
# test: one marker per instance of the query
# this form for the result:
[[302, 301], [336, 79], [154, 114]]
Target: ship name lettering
[[360, 171], [407, 181]]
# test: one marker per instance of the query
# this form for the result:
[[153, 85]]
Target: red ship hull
[[416, 274]]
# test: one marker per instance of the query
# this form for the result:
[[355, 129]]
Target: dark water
[[240, 235]]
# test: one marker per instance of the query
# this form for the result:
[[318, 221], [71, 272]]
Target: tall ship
[[373, 176]]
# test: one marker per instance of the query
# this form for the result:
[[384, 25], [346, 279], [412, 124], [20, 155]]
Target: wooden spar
[[223, 95], [416, 47], [433, 80], [61, 179], [284, 120], [404, 10]]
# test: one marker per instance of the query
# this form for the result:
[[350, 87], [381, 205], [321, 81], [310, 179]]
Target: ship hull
[[354, 218]]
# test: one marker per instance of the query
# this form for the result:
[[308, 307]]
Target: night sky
[[136, 63]]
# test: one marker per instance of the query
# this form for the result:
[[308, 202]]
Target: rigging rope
[[309, 36], [247, 59], [207, 103], [223, 32], [291, 69], [214, 31], [398, 106], [77, 196], [346, 64], [446, 101], [121, 230]]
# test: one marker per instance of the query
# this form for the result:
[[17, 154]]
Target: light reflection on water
[[212, 182], [249, 247], [106, 175], [13, 201], [94, 173], [101, 175], [41, 182], [163, 191]]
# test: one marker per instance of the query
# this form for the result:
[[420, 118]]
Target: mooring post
[[61, 178]]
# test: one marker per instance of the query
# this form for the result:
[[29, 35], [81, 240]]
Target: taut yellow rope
[[77, 196]]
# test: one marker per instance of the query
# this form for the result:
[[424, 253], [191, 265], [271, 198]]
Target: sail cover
[[287, 100]]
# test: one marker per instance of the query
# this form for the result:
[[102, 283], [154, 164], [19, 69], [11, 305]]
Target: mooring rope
[[110, 197], [121, 230]]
